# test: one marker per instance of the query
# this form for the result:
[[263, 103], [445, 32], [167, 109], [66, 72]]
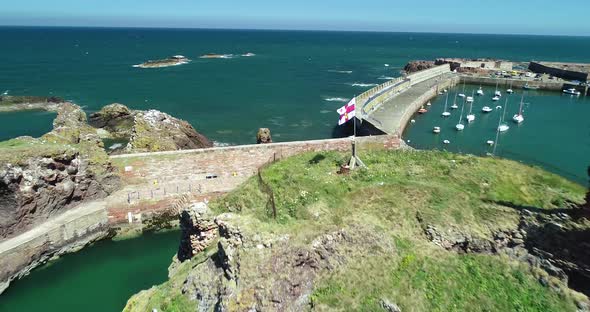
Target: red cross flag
[[347, 112]]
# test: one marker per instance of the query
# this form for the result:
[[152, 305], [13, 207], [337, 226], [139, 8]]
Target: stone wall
[[558, 72], [429, 73], [205, 173], [505, 83], [67, 233]]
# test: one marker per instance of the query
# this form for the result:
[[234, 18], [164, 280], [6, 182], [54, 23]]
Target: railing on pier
[[371, 99]]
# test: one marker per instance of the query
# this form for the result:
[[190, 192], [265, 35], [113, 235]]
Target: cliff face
[[40, 178], [147, 131]]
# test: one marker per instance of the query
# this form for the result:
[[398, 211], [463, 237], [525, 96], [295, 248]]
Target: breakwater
[[389, 106], [153, 183]]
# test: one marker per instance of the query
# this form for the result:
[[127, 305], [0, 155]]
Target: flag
[[347, 112]]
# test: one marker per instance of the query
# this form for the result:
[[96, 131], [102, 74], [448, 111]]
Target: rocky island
[[171, 61], [12, 103]]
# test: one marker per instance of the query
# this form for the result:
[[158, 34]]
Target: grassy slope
[[449, 191]]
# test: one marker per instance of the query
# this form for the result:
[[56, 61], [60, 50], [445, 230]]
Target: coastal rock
[[155, 131], [416, 66], [40, 178], [147, 131], [263, 136], [115, 118]]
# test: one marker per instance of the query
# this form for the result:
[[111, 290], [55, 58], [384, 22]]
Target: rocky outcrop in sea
[[147, 131]]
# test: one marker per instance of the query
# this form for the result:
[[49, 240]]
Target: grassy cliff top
[[383, 211], [13, 99]]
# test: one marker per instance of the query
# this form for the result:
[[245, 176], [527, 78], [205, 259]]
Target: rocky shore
[[53, 189]]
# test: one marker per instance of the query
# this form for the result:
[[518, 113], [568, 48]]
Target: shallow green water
[[555, 134], [98, 278]]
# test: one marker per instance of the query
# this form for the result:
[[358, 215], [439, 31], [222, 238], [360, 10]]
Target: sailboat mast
[[471, 104], [521, 103], [446, 101], [505, 107], [497, 135]]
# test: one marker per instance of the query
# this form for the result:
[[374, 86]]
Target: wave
[[221, 144], [325, 111], [340, 71], [386, 78], [336, 99], [364, 85]]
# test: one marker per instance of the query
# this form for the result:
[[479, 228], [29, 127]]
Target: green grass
[[391, 258]]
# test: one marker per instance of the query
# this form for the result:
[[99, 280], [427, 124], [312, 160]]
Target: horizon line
[[288, 29]]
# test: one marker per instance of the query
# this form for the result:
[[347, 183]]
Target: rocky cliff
[[416, 66], [412, 233], [147, 131], [42, 177]]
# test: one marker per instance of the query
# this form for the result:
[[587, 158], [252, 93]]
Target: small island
[[13, 103], [171, 61]]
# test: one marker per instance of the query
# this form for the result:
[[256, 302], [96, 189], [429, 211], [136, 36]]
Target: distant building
[[486, 64], [568, 71]]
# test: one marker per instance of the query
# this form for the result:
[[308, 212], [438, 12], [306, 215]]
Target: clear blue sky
[[500, 16]]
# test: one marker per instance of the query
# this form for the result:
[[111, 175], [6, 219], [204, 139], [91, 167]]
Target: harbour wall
[[390, 111], [516, 83], [371, 99], [422, 100], [558, 72], [67, 233]]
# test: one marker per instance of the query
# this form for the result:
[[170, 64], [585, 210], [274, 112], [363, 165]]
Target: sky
[[540, 17]]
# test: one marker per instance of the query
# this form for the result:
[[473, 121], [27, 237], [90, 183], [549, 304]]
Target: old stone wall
[[69, 232]]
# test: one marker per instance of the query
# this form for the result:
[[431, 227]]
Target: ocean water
[[293, 85]]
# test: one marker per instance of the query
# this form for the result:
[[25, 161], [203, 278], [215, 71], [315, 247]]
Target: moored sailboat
[[518, 118]]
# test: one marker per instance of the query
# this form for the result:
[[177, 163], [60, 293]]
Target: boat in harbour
[[518, 118], [496, 98], [470, 117], [503, 127], [436, 130], [455, 106], [509, 90], [462, 94], [497, 93], [529, 87], [486, 109], [480, 91], [460, 126], [422, 110], [572, 91], [445, 112]]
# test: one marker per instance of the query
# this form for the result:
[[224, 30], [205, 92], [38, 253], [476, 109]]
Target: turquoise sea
[[293, 85]]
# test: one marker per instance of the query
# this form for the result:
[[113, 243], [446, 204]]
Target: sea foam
[[336, 99], [364, 85]]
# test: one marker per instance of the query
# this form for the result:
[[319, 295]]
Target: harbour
[[413, 109]]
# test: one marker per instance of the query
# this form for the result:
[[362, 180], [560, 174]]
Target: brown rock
[[263, 136]]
